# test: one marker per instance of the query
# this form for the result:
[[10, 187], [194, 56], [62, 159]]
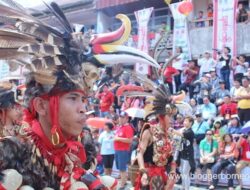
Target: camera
[[217, 51]]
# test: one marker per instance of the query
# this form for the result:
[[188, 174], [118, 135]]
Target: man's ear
[[41, 106]]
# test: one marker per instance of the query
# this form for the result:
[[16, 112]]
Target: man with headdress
[[155, 149], [63, 68]]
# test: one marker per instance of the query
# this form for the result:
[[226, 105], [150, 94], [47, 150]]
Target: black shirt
[[226, 67], [188, 150]]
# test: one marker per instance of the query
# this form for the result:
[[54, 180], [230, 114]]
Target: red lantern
[[185, 8]]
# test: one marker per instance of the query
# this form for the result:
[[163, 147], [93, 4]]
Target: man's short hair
[[190, 119]]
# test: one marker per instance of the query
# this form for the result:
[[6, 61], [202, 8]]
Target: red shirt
[[169, 72], [245, 147], [125, 131], [190, 76], [227, 110], [106, 100]]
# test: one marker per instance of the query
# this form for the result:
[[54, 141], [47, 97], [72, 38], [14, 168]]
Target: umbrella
[[128, 87], [246, 128], [135, 112], [98, 122]]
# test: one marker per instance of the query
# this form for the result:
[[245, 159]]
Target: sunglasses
[[209, 134]]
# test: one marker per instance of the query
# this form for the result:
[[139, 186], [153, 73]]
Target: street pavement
[[176, 187]]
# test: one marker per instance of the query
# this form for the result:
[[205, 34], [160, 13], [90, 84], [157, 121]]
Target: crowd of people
[[220, 107]]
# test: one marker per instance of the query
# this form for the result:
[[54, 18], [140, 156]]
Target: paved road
[[177, 187]]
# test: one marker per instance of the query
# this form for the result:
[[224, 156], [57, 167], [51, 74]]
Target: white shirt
[[206, 65], [179, 64]]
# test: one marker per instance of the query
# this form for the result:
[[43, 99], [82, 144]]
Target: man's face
[[213, 73], [71, 113], [206, 101], [191, 64], [209, 135], [186, 123], [105, 88], [207, 55], [123, 120], [14, 113], [222, 85], [226, 100], [236, 84], [245, 83]]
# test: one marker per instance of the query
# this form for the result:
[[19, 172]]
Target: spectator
[[206, 63], [210, 15], [122, 141], [106, 100], [208, 151], [190, 73], [200, 20], [243, 98], [220, 93], [214, 80], [234, 126], [169, 73], [178, 123], [218, 130], [187, 154], [225, 60], [241, 67], [208, 109], [242, 15], [199, 127], [243, 144], [193, 104], [228, 152], [178, 64], [203, 87], [228, 108], [233, 90], [106, 141]]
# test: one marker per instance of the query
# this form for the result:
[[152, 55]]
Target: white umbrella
[[135, 112]]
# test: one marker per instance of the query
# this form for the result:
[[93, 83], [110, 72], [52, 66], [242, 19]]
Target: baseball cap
[[123, 114], [221, 82], [212, 70]]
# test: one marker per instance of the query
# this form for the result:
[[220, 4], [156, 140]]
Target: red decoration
[[185, 8]]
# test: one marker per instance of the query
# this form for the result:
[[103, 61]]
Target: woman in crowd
[[106, 140], [194, 105], [208, 151], [228, 153], [233, 126], [218, 130], [225, 59], [178, 64]]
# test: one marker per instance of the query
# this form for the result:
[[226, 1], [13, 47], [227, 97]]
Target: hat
[[222, 82], [7, 94], [235, 116], [208, 52], [207, 75], [123, 114], [212, 69], [198, 113]]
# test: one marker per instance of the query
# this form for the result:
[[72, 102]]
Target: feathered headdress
[[61, 60]]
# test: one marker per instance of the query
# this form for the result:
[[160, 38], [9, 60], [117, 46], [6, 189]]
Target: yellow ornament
[[168, 1]]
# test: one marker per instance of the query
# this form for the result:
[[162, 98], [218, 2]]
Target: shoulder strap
[[199, 126], [212, 144]]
